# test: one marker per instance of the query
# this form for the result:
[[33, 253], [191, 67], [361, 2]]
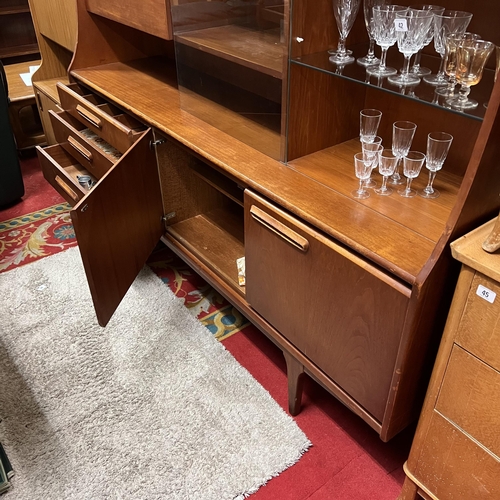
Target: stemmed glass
[[386, 164], [402, 137], [411, 36], [445, 23], [412, 164], [363, 170], [471, 58], [345, 12], [368, 12], [371, 152], [384, 32], [438, 145], [369, 120], [416, 69]]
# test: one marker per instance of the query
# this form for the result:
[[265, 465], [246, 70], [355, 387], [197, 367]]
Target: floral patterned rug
[[45, 232]]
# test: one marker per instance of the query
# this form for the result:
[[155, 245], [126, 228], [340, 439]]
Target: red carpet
[[347, 461]]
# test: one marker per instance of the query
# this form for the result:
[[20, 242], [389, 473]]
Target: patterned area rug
[[45, 232]]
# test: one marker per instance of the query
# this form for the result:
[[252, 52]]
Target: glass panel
[[231, 61]]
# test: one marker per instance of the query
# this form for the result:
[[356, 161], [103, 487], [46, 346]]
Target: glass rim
[[448, 138], [421, 6], [416, 153], [399, 124], [370, 112], [387, 153], [390, 8], [454, 14]]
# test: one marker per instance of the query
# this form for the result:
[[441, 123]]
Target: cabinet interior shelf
[[422, 92], [215, 238], [18, 50], [258, 50], [14, 9]]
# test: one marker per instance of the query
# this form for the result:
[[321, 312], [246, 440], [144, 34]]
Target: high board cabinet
[[17, 36], [354, 292]]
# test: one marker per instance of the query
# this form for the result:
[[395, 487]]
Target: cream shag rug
[[150, 407]]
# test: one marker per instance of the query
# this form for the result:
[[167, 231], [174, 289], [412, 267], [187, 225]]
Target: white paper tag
[[401, 24], [486, 293]]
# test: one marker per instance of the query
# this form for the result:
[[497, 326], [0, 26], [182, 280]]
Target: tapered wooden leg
[[409, 491], [295, 375]]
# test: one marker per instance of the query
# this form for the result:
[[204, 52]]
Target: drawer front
[[61, 170], [343, 314], [119, 130], [452, 466], [479, 330], [470, 397], [85, 146]]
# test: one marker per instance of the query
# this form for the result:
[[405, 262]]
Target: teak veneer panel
[[144, 88], [259, 50]]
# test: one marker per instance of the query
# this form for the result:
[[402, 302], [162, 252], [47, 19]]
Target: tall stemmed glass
[[416, 69], [345, 12], [402, 137], [448, 22], [412, 164], [386, 164], [438, 145], [384, 32], [363, 170], [368, 12], [369, 120], [415, 25], [471, 58]]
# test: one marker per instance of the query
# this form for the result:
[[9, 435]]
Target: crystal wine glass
[[384, 32], [386, 165], [363, 170], [445, 23], [402, 137], [345, 12], [411, 36], [369, 120], [416, 69], [438, 145], [368, 12], [471, 58], [412, 164], [371, 152]]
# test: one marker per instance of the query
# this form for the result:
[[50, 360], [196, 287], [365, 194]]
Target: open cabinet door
[[118, 224]]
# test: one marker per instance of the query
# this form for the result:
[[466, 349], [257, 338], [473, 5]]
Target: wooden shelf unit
[[17, 35], [379, 247]]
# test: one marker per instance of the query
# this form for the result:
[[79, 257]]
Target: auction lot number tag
[[401, 24], [486, 293]]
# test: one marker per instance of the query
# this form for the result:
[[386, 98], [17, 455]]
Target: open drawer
[[107, 121], [93, 152], [117, 222]]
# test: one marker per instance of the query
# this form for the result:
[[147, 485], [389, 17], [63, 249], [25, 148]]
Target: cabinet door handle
[[279, 229], [66, 188], [80, 149], [87, 115]]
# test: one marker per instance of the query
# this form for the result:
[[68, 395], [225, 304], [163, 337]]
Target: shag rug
[[150, 407]]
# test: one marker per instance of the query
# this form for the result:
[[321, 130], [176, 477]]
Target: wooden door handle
[[66, 188], [88, 116], [80, 149], [279, 229]]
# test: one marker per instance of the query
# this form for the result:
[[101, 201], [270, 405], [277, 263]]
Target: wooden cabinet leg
[[295, 375], [409, 491]]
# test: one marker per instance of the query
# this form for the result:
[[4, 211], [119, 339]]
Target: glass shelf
[[422, 92]]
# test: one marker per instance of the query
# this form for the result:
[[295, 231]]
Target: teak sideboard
[[226, 138]]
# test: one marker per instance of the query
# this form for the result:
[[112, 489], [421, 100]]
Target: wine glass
[[386, 164], [368, 12], [412, 164], [369, 120], [402, 137], [371, 152], [384, 32], [438, 145], [416, 69], [410, 36], [345, 12], [445, 23], [451, 42], [363, 170], [471, 58]]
